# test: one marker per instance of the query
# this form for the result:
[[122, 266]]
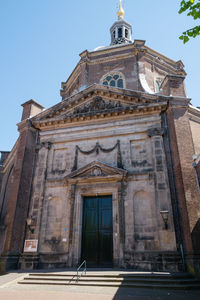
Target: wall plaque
[[30, 245]]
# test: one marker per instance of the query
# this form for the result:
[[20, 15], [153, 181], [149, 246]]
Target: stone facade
[[118, 155], [124, 128]]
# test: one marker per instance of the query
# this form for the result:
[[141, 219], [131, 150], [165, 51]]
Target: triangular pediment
[[97, 105], [98, 101], [96, 169]]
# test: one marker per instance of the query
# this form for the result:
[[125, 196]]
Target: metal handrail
[[84, 270], [77, 271]]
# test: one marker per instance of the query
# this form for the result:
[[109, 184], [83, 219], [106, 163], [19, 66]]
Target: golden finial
[[120, 12]]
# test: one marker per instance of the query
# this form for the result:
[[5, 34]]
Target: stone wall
[[57, 196]]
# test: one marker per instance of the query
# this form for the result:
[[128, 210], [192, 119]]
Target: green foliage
[[192, 7]]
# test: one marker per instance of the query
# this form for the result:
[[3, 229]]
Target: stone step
[[119, 275], [114, 279], [115, 284]]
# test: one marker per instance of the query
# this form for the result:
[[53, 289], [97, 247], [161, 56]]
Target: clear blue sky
[[41, 41]]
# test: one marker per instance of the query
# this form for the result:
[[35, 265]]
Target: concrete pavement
[[10, 290]]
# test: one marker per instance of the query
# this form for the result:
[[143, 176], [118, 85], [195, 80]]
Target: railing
[[84, 270], [78, 270]]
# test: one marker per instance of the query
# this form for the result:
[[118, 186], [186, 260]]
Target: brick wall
[[3, 157]]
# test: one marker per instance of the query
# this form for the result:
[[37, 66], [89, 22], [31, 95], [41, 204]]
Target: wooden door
[[97, 235]]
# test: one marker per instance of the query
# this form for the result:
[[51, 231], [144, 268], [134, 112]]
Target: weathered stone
[[133, 144]]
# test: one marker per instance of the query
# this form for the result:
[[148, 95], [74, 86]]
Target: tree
[[192, 7]]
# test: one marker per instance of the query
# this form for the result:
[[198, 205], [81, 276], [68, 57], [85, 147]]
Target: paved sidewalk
[[10, 290], [50, 295], [10, 277]]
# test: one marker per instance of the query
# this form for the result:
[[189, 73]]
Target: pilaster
[[185, 187], [18, 201], [166, 236]]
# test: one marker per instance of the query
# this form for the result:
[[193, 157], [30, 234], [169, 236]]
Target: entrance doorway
[[97, 234]]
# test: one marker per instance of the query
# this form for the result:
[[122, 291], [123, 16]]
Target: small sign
[[64, 239], [30, 245]]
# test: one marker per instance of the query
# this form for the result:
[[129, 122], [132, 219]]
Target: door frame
[[98, 197], [78, 191]]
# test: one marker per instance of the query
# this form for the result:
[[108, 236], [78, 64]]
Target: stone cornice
[[53, 124], [179, 102], [117, 56], [194, 118], [155, 131], [163, 66], [24, 125], [114, 49], [194, 113], [176, 65], [112, 178], [130, 103], [172, 77], [136, 47], [142, 110], [84, 180], [74, 75]]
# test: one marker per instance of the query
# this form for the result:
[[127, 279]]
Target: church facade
[[107, 175]]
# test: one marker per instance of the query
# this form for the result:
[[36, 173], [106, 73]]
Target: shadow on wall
[[196, 236]]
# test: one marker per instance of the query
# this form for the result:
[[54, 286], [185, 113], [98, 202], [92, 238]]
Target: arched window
[[114, 80]]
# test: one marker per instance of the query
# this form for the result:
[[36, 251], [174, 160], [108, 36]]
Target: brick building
[[106, 174]]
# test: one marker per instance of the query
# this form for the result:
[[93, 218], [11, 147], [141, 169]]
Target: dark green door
[[97, 236]]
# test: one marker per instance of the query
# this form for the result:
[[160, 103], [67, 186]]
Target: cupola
[[121, 31]]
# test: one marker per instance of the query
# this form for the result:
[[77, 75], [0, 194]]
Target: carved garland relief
[[97, 148]]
